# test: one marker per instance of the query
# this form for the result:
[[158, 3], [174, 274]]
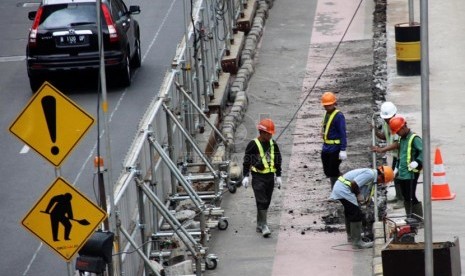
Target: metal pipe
[[425, 119], [225, 141], [411, 16], [193, 195], [203, 64], [191, 140], [141, 209], [139, 251], [170, 219], [153, 173], [169, 135], [373, 155]]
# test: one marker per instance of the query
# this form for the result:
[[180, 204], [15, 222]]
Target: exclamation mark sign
[[49, 106]]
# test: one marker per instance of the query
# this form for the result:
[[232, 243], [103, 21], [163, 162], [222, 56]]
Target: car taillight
[[111, 25], [35, 26]]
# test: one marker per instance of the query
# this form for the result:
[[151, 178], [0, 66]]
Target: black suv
[[64, 39]]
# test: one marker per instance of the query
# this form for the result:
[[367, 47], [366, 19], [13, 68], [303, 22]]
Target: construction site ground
[[300, 57]]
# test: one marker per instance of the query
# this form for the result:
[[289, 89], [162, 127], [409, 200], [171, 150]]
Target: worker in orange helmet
[[409, 165], [263, 160], [334, 138], [354, 189]]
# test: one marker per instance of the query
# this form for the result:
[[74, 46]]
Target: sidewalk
[[446, 84], [293, 40]]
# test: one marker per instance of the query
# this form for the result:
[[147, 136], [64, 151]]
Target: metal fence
[[174, 115]]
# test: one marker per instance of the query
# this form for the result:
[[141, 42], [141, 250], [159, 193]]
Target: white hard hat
[[388, 110]]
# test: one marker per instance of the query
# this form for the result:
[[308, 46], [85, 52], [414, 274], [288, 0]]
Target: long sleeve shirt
[[252, 157], [337, 130]]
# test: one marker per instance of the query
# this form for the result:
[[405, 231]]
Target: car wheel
[[137, 58], [35, 83], [125, 73]]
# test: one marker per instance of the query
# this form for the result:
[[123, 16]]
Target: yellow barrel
[[408, 50]]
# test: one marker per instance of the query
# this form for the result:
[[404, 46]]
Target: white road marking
[[24, 149]]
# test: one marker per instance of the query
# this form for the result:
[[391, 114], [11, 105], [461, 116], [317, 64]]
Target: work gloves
[[342, 155], [278, 182], [245, 182], [413, 165]]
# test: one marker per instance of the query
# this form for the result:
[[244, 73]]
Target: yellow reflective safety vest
[[327, 126], [348, 183], [345, 181], [409, 153], [267, 159]]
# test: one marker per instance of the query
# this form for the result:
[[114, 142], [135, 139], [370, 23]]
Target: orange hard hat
[[396, 123], [328, 98], [266, 125], [388, 173]]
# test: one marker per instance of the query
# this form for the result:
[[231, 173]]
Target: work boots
[[259, 221], [264, 227], [356, 235], [408, 208], [417, 209], [347, 222], [399, 197]]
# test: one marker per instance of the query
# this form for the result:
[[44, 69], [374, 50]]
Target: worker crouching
[[353, 189], [263, 160]]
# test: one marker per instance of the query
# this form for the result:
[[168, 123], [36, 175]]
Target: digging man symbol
[[60, 211]]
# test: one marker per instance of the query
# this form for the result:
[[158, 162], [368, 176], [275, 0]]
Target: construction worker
[[409, 165], [387, 111], [334, 138], [60, 210], [353, 189], [263, 159]]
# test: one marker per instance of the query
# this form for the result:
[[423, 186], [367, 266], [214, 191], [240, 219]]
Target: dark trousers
[[352, 212], [263, 185], [409, 188], [331, 163]]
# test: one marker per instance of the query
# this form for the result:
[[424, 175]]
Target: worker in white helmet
[[387, 111]]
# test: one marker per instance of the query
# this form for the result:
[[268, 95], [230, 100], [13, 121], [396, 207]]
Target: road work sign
[[63, 218], [51, 124]]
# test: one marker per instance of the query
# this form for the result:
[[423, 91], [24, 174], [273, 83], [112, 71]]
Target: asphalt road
[[26, 175]]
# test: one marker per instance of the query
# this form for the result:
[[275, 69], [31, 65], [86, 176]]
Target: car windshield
[[67, 15]]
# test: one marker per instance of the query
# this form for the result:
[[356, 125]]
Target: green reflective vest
[[409, 152]]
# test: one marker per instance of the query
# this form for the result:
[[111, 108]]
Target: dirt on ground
[[357, 75]]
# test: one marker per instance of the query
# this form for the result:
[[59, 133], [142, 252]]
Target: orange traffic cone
[[440, 189]]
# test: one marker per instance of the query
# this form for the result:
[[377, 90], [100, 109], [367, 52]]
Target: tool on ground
[[402, 229]]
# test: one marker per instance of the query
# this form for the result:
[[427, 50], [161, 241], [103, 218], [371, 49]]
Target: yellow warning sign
[[51, 124], [63, 218]]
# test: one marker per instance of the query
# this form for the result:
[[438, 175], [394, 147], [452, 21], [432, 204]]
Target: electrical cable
[[288, 123], [322, 72], [335, 247]]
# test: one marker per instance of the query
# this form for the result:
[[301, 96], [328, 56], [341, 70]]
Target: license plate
[[72, 40]]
